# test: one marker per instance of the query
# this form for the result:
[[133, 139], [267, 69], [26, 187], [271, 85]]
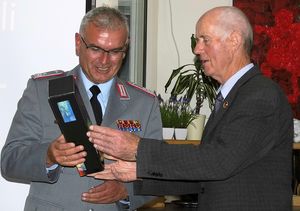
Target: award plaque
[[73, 120]]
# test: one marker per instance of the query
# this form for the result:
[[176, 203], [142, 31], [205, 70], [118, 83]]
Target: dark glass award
[[73, 120]]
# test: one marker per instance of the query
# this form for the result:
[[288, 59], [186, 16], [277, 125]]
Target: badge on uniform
[[129, 125], [47, 74], [122, 91]]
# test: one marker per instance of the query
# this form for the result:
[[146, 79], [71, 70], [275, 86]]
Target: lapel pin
[[225, 104]]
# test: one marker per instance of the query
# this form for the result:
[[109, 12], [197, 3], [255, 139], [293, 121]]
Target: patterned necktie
[[219, 101], [96, 104]]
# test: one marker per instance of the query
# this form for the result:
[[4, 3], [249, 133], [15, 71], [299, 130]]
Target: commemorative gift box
[[73, 120]]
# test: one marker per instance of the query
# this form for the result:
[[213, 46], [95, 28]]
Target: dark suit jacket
[[244, 160]]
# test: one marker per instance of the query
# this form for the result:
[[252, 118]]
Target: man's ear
[[236, 39], [77, 43], [127, 48]]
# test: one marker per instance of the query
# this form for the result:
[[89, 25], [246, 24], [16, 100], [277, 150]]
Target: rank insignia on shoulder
[[141, 88], [122, 91], [129, 125], [47, 74]]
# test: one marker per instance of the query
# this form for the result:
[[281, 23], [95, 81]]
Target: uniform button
[[91, 209]]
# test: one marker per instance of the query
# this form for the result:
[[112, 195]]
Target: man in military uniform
[[35, 152]]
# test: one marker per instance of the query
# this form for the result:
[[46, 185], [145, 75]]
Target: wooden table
[[169, 207], [296, 146]]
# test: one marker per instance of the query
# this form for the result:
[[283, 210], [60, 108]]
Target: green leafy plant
[[175, 113], [191, 81], [168, 114], [183, 119], [184, 113]]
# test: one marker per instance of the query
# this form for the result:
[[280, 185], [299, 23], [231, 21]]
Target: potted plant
[[168, 116], [175, 114], [191, 81], [184, 116]]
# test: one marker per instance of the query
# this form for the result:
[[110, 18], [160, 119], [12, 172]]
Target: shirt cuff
[[125, 203], [53, 167]]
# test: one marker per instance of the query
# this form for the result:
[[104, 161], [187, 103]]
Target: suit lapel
[[215, 119]]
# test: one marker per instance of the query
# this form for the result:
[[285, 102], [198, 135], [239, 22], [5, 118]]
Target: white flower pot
[[180, 133], [195, 128], [296, 130], [168, 133]]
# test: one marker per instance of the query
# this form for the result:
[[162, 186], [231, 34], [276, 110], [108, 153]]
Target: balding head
[[228, 19], [224, 40]]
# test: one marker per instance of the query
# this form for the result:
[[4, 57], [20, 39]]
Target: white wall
[[162, 57], [35, 36]]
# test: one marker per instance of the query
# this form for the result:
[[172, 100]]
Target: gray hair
[[105, 17]]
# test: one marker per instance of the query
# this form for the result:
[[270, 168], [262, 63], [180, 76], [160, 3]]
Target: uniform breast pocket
[[138, 133], [36, 204]]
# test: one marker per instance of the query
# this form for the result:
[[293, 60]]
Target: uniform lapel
[[83, 93], [116, 104]]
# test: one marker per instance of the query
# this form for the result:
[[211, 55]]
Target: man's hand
[[105, 193], [113, 142], [65, 154], [119, 170]]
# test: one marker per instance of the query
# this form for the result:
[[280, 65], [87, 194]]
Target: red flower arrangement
[[277, 43], [282, 61]]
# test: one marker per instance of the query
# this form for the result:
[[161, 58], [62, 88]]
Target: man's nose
[[104, 57], [198, 48]]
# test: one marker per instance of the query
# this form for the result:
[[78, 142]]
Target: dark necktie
[[96, 104], [219, 101]]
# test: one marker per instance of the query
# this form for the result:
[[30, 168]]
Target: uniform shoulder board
[[47, 74], [141, 88]]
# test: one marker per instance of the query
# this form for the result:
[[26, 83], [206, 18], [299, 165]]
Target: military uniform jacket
[[33, 128]]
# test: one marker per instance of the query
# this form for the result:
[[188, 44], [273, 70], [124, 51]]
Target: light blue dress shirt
[[104, 87], [227, 86]]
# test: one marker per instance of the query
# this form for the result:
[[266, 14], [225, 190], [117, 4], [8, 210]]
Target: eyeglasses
[[98, 51]]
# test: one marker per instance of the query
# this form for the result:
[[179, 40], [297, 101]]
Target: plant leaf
[[173, 75]]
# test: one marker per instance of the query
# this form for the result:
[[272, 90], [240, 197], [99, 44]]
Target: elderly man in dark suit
[[244, 160]]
